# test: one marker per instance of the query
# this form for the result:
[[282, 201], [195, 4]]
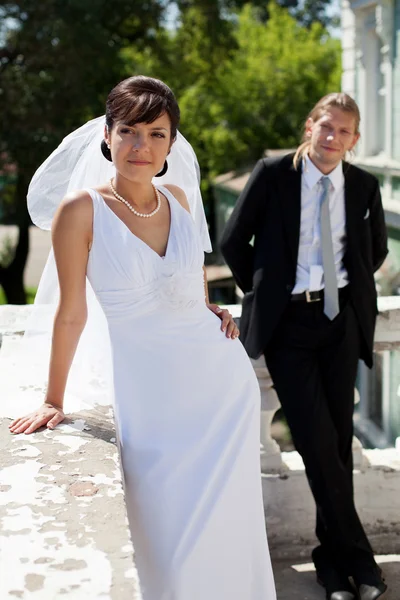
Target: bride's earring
[[163, 170], [105, 149]]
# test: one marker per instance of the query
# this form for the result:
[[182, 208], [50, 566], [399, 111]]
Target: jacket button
[[289, 287]]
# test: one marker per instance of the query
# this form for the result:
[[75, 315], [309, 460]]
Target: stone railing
[[387, 337], [63, 524], [289, 507]]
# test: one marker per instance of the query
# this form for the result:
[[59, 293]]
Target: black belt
[[317, 296]]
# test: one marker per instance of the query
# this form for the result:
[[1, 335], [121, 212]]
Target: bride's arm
[[71, 237]]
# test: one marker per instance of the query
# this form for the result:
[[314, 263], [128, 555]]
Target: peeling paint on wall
[[59, 492]]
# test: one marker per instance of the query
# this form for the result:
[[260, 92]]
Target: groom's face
[[331, 136]]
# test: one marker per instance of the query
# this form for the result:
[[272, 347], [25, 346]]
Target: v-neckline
[[139, 239]]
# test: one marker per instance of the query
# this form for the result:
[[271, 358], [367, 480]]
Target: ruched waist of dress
[[176, 291]]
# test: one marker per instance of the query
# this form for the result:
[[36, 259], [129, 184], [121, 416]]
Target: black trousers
[[313, 364]]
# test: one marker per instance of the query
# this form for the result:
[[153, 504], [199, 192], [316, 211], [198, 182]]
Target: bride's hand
[[47, 414], [228, 324]]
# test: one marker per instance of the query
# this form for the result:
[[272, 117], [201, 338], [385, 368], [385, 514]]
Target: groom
[[303, 242]]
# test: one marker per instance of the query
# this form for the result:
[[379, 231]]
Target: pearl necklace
[[135, 212]]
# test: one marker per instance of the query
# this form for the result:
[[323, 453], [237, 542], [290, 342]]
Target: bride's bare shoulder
[[76, 202], [76, 208], [179, 194]]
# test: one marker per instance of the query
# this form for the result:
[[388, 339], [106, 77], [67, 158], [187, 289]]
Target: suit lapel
[[290, 193]]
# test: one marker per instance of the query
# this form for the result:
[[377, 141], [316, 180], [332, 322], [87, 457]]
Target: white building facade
[[371, 75]]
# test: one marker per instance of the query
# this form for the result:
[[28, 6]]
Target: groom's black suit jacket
[[269, 209]]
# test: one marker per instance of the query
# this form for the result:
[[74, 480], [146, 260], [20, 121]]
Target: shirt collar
[[312, 174]]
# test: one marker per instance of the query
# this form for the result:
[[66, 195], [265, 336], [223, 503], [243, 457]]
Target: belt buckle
[[309, 298]]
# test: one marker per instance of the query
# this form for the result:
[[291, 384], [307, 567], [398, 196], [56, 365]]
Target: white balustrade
[[387, 337], [271, 459]]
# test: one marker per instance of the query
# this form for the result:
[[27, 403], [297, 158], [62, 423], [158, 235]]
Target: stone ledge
[[63, 526], [387, 332], [13, 318]]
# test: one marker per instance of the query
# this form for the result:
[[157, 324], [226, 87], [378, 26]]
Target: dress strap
[[196, 215], [168, 194], [93, 194], [97, 200]]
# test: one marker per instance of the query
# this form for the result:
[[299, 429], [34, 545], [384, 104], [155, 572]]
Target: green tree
[[258, 97], [58, 60], [247, 91], [304, 11], [311, 11]]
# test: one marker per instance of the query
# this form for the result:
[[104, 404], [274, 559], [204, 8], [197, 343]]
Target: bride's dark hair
[[140, 99]]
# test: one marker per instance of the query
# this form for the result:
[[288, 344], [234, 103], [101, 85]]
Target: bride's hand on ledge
[[47, 414], [228, 324]]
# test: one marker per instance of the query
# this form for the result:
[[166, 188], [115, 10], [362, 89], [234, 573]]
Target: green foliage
[[248, 91], [245, 75], [306, 12], [58, 61], [278, 72]]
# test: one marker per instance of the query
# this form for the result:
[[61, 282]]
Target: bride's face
[[139, 151]]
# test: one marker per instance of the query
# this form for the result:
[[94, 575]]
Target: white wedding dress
[[187, 408]]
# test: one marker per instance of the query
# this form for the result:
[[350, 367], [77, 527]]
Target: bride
[[185, 396]]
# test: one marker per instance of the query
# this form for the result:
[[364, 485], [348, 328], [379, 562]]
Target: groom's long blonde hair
[[336, 99]]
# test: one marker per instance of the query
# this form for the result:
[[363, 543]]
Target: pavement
[[295, 580]]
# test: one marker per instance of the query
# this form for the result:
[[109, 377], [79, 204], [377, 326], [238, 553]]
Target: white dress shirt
[[310, 272]]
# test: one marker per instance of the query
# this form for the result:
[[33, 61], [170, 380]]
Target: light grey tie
[[331, 302]]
